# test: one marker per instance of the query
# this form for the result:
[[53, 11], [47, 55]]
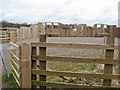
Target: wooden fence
[[15, 62], [81, 30], [5, 33], [61, 30], [28, 32], [28, 58], [4, 36]]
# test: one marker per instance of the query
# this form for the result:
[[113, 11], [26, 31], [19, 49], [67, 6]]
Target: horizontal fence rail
[[78, 75], [14, 45], [83, 46], [77, 60], [14, 56], [65, 85], [16, 73], [15, 63]]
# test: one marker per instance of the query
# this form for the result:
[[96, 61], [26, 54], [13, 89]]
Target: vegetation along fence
[[30, 68]]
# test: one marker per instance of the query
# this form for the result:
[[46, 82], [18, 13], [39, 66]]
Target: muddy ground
[[58, 51]]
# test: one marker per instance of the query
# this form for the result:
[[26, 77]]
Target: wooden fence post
[[34, 64], [108, 69], [95, 30], [78, 32], [42, 51], [118, 37], [13, 37], [18, 34], [59, 29], [102, 29], [13, 40], [25, 66]]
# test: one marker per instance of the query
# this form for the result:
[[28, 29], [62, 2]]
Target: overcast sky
[[65, 11]]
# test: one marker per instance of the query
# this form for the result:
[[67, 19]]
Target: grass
[[4, 41], [10, 81], [69, 67], [74, 67]]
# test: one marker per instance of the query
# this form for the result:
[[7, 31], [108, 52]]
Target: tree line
[[12, 25]]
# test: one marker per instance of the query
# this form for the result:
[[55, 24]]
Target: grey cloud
[[23, 14]]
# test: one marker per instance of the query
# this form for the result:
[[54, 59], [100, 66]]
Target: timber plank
[[71, 45], [65, 85], [15, 72], [74, 74], [16, 79], [77, 60], [15, 65]]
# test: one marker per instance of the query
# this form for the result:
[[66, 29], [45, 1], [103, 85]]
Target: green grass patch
[[10, 81], [4, 41]]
